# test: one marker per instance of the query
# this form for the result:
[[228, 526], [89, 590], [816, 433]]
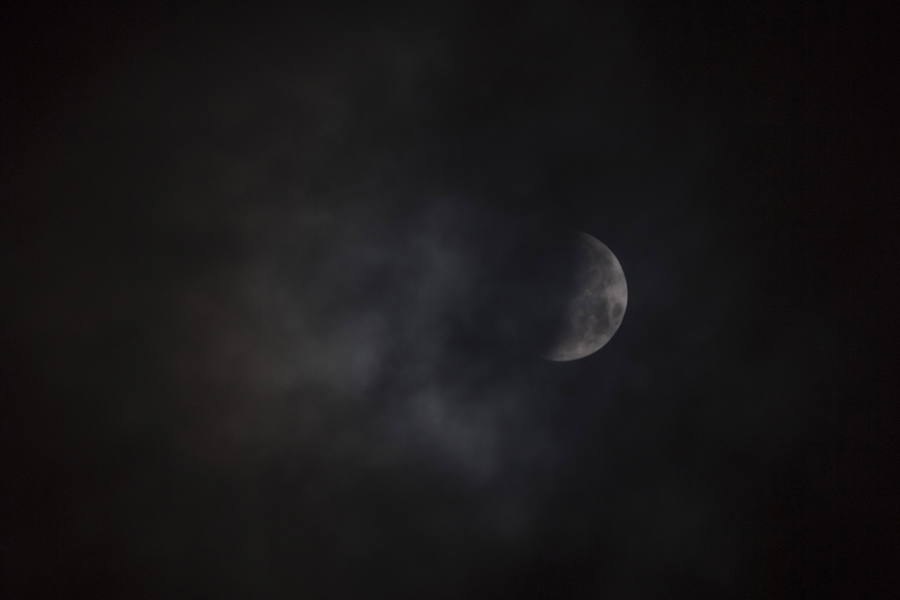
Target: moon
[[596, 305]]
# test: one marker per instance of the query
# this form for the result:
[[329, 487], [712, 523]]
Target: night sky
[[276, 284]]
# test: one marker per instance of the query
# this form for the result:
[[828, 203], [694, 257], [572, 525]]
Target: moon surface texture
[[597, 303]]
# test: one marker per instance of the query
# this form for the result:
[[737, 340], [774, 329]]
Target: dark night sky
[[273, 279]]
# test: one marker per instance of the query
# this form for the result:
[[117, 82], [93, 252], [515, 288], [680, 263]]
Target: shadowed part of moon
[[597, 304]]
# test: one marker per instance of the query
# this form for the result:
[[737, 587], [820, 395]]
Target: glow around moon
[[597, 305]]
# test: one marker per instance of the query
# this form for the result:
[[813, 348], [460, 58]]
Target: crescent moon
[[596, 307]]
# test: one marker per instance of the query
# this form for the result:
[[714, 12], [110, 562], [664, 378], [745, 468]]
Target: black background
[[244, 248]]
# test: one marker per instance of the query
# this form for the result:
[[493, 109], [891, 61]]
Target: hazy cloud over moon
[[280, 289]]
